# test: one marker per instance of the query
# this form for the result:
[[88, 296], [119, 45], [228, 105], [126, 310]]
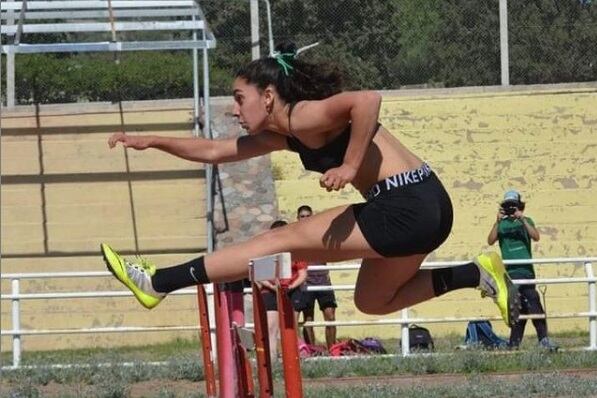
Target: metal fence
[[379, 45], [404, 320]]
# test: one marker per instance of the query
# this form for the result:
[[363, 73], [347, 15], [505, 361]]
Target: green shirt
[[515, 244]]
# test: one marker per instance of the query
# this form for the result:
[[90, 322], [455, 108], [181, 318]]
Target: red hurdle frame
[[204, 335], [233, 346], [288, 335]]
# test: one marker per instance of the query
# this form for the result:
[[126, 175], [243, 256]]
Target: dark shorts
[[529, 300], [410, 213], [325, 299], [295, 295]]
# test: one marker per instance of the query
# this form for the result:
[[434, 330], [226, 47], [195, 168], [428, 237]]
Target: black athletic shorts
[[325, 299], [409, 213], [270, 301]]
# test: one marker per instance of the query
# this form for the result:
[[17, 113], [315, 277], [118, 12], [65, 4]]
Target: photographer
[[514, 232]]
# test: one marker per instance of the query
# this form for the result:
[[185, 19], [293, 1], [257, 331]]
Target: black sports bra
[[323, 158]]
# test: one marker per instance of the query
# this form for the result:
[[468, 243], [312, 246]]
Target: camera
[[509, 208]]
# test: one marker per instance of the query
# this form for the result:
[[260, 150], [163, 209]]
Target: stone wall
[[249, 193]]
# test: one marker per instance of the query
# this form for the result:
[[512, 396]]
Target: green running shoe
[[496, 283], [134, 275]]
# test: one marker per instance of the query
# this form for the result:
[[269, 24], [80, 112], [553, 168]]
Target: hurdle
[[242, 339], [205, 338], [277, 268]]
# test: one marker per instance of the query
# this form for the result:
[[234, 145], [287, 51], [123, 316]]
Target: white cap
[[512, 196]]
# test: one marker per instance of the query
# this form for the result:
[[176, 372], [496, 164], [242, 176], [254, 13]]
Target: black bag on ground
[[419, 338]]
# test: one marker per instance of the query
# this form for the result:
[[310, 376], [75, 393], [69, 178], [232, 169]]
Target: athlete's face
[[251, 106]]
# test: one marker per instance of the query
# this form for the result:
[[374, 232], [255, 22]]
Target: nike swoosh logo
[[493, 291], [192, 271]]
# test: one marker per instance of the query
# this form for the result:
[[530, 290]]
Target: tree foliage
[[378, 44]]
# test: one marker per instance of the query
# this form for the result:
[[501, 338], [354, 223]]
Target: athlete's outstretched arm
[[204, 150]]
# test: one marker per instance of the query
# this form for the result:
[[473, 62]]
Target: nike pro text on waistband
[[409, 177]]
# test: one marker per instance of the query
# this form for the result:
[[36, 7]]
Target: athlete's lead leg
[[332, 235]]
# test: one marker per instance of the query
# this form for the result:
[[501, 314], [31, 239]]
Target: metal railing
[[403, 320]]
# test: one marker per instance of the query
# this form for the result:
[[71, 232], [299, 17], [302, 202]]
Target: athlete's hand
[[268, 285], [335, 179], [138, 142]]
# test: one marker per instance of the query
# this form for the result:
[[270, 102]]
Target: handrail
[[218, 191], [58, 17], [403, 320], [64, 5], [340, 267], [189, 292], [102, 27], [80, 15]]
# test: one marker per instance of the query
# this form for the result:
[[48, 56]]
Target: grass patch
[[554, 385], [185, 368], [466, 362], [189, 348], [150, 353], [97, 378]]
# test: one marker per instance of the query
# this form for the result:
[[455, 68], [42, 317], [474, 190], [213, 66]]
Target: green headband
[[281, 59]]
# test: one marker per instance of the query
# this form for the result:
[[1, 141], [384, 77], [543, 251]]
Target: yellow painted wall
[[73, 194], [541, 142]]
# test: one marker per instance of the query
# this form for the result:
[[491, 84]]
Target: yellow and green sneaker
[[496, 283], [134, 275]]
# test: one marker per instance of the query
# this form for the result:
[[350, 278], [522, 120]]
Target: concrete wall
[[64, 192], [539, 140]]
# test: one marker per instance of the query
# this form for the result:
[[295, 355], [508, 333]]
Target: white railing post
[[404, 330], [16, 325], [592, 308]]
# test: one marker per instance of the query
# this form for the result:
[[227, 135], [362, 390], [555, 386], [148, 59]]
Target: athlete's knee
[[370, 308], [378, 304], [368, 305]]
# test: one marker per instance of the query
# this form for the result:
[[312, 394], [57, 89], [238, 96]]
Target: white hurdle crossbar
[[275, 266]]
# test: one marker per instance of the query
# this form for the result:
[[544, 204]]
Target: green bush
[[379, 45], [51, 78]]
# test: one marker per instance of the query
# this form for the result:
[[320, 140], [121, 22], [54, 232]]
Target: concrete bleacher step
[[64, 189]]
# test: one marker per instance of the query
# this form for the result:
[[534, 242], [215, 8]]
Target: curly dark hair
[[278, 224], [304, 208], [305, 81]]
